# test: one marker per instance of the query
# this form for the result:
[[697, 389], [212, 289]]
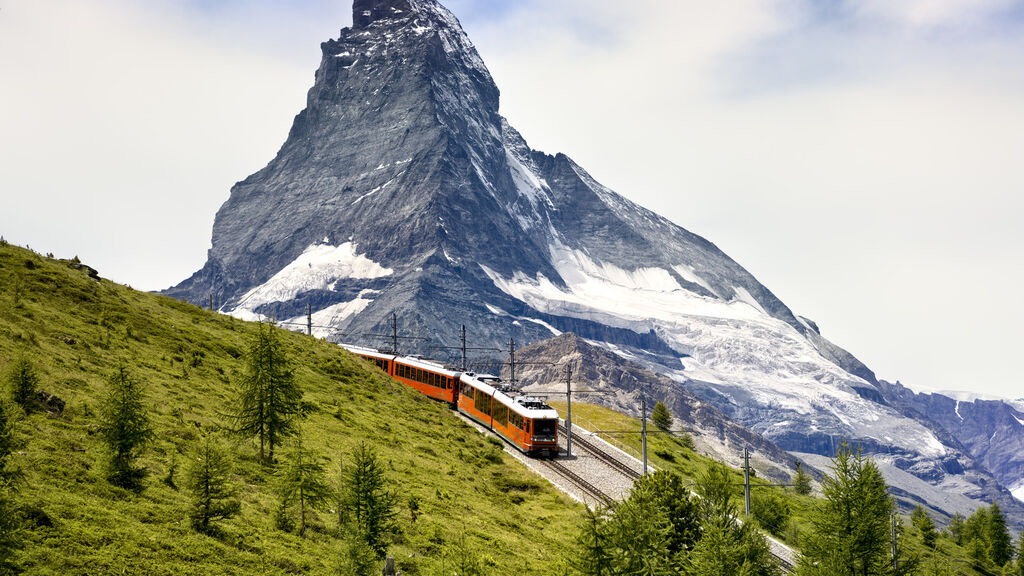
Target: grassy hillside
[[76, 330]]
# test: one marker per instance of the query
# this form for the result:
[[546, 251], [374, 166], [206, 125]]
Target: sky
[[861, 158]]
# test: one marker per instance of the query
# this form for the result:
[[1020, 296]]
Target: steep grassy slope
[[77, 329]]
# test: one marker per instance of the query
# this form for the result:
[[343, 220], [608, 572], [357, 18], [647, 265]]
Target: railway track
[[603, 456], [784, 563], [579, 481]]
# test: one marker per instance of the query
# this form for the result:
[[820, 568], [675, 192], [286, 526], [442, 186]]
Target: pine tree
[[1018, 567], [593, 549], [640, 533], [727, 551], [667, 491], [367, 501], [923, 522], [302, 481], [661, 417], [213, 497], [716, 488], [23, 381], [358, 559], [1000, 545], [9, 532], [125, 427], [956, 529], [9, 524], [7, 471], [269, 398], [851, 534], [801, 481]]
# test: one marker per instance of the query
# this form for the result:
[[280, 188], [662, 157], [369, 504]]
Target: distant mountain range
[[401, 190]]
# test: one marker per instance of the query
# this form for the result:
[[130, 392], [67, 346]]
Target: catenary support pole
[[568, 410], [746, 482], [394, 333], [463, 347], [309, 320], [512, 361], [643, 430]]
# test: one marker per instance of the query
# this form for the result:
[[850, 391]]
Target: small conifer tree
[[23, 381], [213, 496], [269, 399], [801, 481], [7, 472], [923, 522], [1018, 568], [367, 501], [851, 526], [661, 417], [1000, 544], [125, 428], [302, 482]]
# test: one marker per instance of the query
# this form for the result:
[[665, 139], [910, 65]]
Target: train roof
[[527, 406], [426, 365], [367, 351]]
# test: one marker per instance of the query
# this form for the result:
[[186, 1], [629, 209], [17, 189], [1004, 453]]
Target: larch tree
[[302, 482], [801, 481], [1000, 544], [125, 426], [924, 523], [23, 380], [208, 480], [9, 522], [367, 501], [851, 526], [269, 399], [661, 417]]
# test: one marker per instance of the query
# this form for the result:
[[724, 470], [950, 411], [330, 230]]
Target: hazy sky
[[865, 160]]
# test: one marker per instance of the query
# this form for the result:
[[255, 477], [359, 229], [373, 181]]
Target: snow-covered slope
[[401, 189]]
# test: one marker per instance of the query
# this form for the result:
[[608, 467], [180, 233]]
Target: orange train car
[[430, 378], [526, 422]]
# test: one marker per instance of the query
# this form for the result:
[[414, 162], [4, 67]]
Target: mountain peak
[[365, 12]]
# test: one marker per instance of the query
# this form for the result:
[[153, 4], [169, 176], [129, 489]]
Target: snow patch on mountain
[[735, 344], [317, 268]]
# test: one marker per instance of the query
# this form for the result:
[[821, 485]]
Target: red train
[[528, 423]]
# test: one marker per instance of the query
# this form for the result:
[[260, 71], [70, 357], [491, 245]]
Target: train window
[[468, 391], [545, 428], [386, 363], [483, 403], [433, 379]]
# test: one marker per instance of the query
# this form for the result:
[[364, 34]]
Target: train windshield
[[544, 427]]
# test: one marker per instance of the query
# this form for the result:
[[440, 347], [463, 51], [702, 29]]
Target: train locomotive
[[525, 422]]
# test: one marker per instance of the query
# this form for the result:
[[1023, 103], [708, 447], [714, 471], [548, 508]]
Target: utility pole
[[309, 320], [746, 481], [463, 347], [394, 333], [568, 410], [211, 300], [512, 361], [643, 430], [892, 532]]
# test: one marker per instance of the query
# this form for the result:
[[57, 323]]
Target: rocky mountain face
[[603, 377], [991, 431], [401, 190]]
